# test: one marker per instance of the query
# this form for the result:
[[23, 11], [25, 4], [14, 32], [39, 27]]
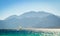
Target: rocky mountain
[[31, 19]]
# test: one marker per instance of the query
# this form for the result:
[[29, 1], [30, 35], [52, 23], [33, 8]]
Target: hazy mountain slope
[[2, 25], [31, 19]]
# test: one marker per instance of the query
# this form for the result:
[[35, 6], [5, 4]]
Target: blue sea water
[[4, 32]]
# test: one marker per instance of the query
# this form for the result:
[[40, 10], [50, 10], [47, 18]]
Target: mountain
[[32, 19], [2, 24]]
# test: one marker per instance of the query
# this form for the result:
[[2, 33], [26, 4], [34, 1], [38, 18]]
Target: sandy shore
[[43, 29]]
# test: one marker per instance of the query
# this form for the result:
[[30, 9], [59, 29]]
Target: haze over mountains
[[31, 19]]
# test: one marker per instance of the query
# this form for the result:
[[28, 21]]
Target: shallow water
[[4, 32]]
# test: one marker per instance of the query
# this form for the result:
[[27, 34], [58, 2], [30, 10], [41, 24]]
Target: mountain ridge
[[32, 19]]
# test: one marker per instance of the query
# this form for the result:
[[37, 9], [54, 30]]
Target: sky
[[18, 7]]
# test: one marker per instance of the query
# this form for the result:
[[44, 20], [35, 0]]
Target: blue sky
[[18, 7]]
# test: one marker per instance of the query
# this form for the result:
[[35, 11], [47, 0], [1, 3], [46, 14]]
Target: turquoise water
[[26, 33]]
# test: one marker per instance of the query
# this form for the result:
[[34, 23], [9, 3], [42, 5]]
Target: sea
[[10, 32]]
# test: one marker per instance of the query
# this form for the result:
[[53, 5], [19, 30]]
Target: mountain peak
[[35, 14], [10, 17]]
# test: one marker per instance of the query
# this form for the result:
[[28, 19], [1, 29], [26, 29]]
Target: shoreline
[[37, 29]]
